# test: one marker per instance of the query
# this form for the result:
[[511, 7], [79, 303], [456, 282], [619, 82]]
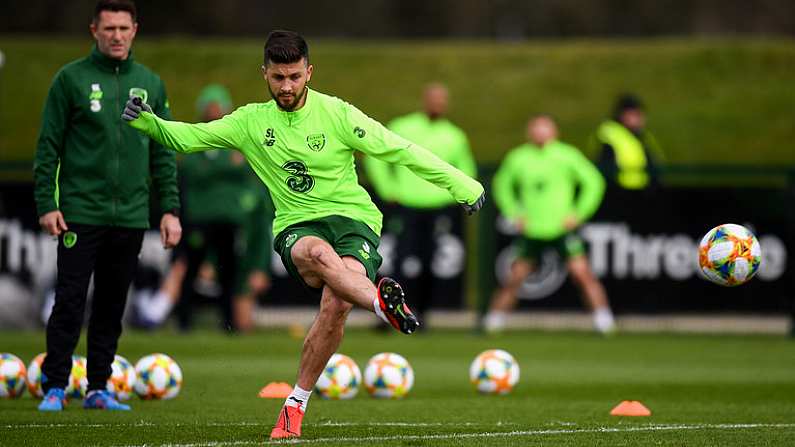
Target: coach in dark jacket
[[93, 175]]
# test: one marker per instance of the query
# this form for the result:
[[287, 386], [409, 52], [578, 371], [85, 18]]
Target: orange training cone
[[276, 390], [630, 408]]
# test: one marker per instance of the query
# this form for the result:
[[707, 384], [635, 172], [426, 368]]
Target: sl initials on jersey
[[298, 181], [270, 137]]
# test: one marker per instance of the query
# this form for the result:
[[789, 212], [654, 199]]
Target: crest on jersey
[[140, 93], [316, 141]]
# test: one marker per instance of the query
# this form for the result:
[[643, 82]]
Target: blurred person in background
[[227, 221], [547, 189], [301, 144], [424, 214], [92, 178], [628, 154]]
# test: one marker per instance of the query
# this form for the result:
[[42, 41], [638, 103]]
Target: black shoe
[[393, 303]]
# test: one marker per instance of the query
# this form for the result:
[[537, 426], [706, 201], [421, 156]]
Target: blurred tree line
[[500, 19]]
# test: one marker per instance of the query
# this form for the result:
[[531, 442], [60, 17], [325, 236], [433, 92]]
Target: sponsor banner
[[643, 247]]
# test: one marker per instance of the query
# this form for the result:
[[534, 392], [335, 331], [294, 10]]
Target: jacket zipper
[[118, 148]]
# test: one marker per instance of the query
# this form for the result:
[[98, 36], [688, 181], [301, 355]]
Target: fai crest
[[316, 141], [140, 93]]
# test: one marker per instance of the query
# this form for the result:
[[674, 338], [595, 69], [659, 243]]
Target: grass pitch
[[702, 390]]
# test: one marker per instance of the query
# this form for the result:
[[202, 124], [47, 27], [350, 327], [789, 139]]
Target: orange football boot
[[289, 423]]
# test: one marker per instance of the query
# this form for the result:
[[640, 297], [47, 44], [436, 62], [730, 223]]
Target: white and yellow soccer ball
[[388, 375], [340, 379], [78, 380], [122, 378], [494, 372], [12, 376], [729, 255], [159, 377]]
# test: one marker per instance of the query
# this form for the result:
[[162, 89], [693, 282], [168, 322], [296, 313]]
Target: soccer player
[[92, 191], [301, 146], [535, 188], [425, 213]]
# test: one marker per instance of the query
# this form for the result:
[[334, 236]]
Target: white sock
[[603, 320], [494, 321], [379, 312], [298, 398]]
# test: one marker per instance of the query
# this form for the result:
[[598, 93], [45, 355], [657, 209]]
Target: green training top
[[398, 184], [539, 186], [89, 165], [305, 157]]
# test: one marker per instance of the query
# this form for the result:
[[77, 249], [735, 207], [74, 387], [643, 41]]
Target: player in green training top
[[535, 188], [301, 146]]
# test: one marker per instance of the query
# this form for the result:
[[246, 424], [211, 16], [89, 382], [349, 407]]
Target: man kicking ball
[[301, 146]]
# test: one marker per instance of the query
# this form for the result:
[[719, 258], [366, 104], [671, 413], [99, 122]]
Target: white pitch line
[[515, 433], [258, 424], [78, 425]]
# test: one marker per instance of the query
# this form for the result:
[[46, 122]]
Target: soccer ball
[[12, 376], [388, 375], [34, 375], [122, 378], [494, 372], [159, 377], [78, 380], [729, 255], [76, 385], [340, 379]]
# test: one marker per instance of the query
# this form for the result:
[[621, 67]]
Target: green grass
[[702, 390], [710, 100]]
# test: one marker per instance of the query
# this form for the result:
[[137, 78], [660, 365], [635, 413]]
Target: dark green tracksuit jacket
[[89, 164]]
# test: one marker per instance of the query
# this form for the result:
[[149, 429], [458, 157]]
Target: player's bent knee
[[319, 252], [309, 251]]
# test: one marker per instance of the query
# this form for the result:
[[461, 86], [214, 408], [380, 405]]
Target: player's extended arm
[[592, 186], [503, 190], [224, 133], [369, 136]]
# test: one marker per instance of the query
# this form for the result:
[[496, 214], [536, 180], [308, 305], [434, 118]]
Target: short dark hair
[[626, 101], [285, 47], [115, 6]]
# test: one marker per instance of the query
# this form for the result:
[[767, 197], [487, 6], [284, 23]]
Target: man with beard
[[301, 146]]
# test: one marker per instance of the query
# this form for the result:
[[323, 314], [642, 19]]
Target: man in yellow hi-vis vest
[[628, 154]]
